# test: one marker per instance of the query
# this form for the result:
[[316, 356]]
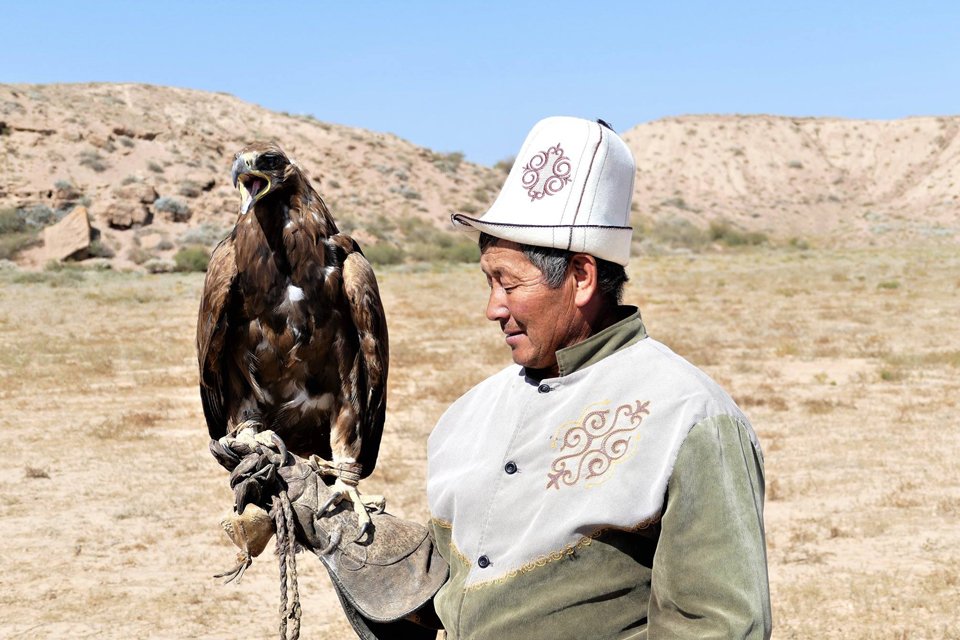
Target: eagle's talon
[[334, 499], [361, 504], [221, 448], [335, 538], [363, 531], [281, 447]]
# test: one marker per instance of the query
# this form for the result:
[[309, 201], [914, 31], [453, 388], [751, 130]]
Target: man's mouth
[[513, 337]]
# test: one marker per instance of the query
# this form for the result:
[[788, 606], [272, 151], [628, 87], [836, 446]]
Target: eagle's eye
[[269, 162]]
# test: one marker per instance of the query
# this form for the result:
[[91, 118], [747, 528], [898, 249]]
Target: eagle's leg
[[345, 488]]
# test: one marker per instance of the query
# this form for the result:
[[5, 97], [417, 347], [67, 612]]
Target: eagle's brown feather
[[291, 331]]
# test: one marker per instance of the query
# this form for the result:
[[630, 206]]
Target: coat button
[[544, 388], [510, 468], [483, 562]]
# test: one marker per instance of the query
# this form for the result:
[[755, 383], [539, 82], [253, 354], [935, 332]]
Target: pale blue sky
[[475, 77]]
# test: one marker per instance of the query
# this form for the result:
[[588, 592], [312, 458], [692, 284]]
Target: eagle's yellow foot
[[346, 489], [361, 504]]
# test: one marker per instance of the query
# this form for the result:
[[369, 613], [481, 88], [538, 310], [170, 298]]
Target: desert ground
[[847, 362]]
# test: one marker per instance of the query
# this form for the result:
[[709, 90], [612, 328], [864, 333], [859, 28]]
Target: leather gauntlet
[[389, 574]]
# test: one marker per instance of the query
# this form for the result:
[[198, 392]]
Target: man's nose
[[496, 308]]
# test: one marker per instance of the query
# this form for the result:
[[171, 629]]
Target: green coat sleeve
[[710, 569]]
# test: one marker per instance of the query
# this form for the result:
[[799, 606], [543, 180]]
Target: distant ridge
[[848, 182], [152, 164]]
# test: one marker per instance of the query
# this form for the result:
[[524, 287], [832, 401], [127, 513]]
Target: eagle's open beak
[[252, 184]]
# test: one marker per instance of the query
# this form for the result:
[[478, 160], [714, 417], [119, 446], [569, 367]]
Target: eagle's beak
[[252, 184]]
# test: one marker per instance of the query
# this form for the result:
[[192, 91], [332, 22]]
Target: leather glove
[[385, 580]]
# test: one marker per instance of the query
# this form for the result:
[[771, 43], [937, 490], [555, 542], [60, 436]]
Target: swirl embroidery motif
[[546, 173], [589, 448]]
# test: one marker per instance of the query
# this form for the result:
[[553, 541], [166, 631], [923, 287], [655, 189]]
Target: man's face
[[536, 319]]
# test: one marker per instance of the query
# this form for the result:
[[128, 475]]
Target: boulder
[[124, 214], [136, 192], [67, 237]]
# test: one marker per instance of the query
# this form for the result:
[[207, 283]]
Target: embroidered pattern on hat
[[590, 446], [546, 173]]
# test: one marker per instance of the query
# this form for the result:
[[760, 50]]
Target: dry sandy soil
[[846, 361]]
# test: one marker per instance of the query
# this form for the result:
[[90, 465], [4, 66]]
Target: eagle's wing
[[366, 310], [212, 329]]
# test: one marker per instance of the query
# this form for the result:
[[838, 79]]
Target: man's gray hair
[[553, 264]]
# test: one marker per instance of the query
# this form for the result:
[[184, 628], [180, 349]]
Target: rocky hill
[[151, 166], [848, 182]]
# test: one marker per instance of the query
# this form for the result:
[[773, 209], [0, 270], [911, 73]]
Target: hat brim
[[614, 240]]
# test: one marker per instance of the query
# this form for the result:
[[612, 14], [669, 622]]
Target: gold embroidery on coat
[[553, 556], [591, 445], [443, 524]]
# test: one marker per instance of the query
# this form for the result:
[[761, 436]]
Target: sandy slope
[[122, 146]]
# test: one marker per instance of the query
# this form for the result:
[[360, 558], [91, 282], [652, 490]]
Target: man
[[602, 486]]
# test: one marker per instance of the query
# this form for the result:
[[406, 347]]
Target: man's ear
[[583, 270]]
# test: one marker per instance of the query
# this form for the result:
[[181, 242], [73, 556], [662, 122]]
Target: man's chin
[[529, 362]]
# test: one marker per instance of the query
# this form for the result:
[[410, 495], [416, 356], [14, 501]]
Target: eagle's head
[[261, 169]]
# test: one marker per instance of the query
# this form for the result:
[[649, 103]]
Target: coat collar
[[624, 333]]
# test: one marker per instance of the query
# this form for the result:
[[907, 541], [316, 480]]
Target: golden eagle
[[291, 334]]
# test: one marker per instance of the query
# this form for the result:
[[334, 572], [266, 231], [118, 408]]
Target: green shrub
[[13, 243], [192, 258], [205, 234], [448, 162], [481, 195], [504, 165], [11, 221], [139, 255], [462, 250], [190, 189], [723, 232], [157, 265], [30, 218], [67, 188], [93, 160], [406, 192], [61, 278], [677, 202], [381, 227], [178, 210], [17, 232], [676, 232], [384, 253], [98, 249]]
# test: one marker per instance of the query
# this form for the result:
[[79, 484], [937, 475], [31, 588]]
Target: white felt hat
[[570, 188]]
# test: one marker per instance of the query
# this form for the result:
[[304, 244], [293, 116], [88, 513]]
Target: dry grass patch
[[861, 496]]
